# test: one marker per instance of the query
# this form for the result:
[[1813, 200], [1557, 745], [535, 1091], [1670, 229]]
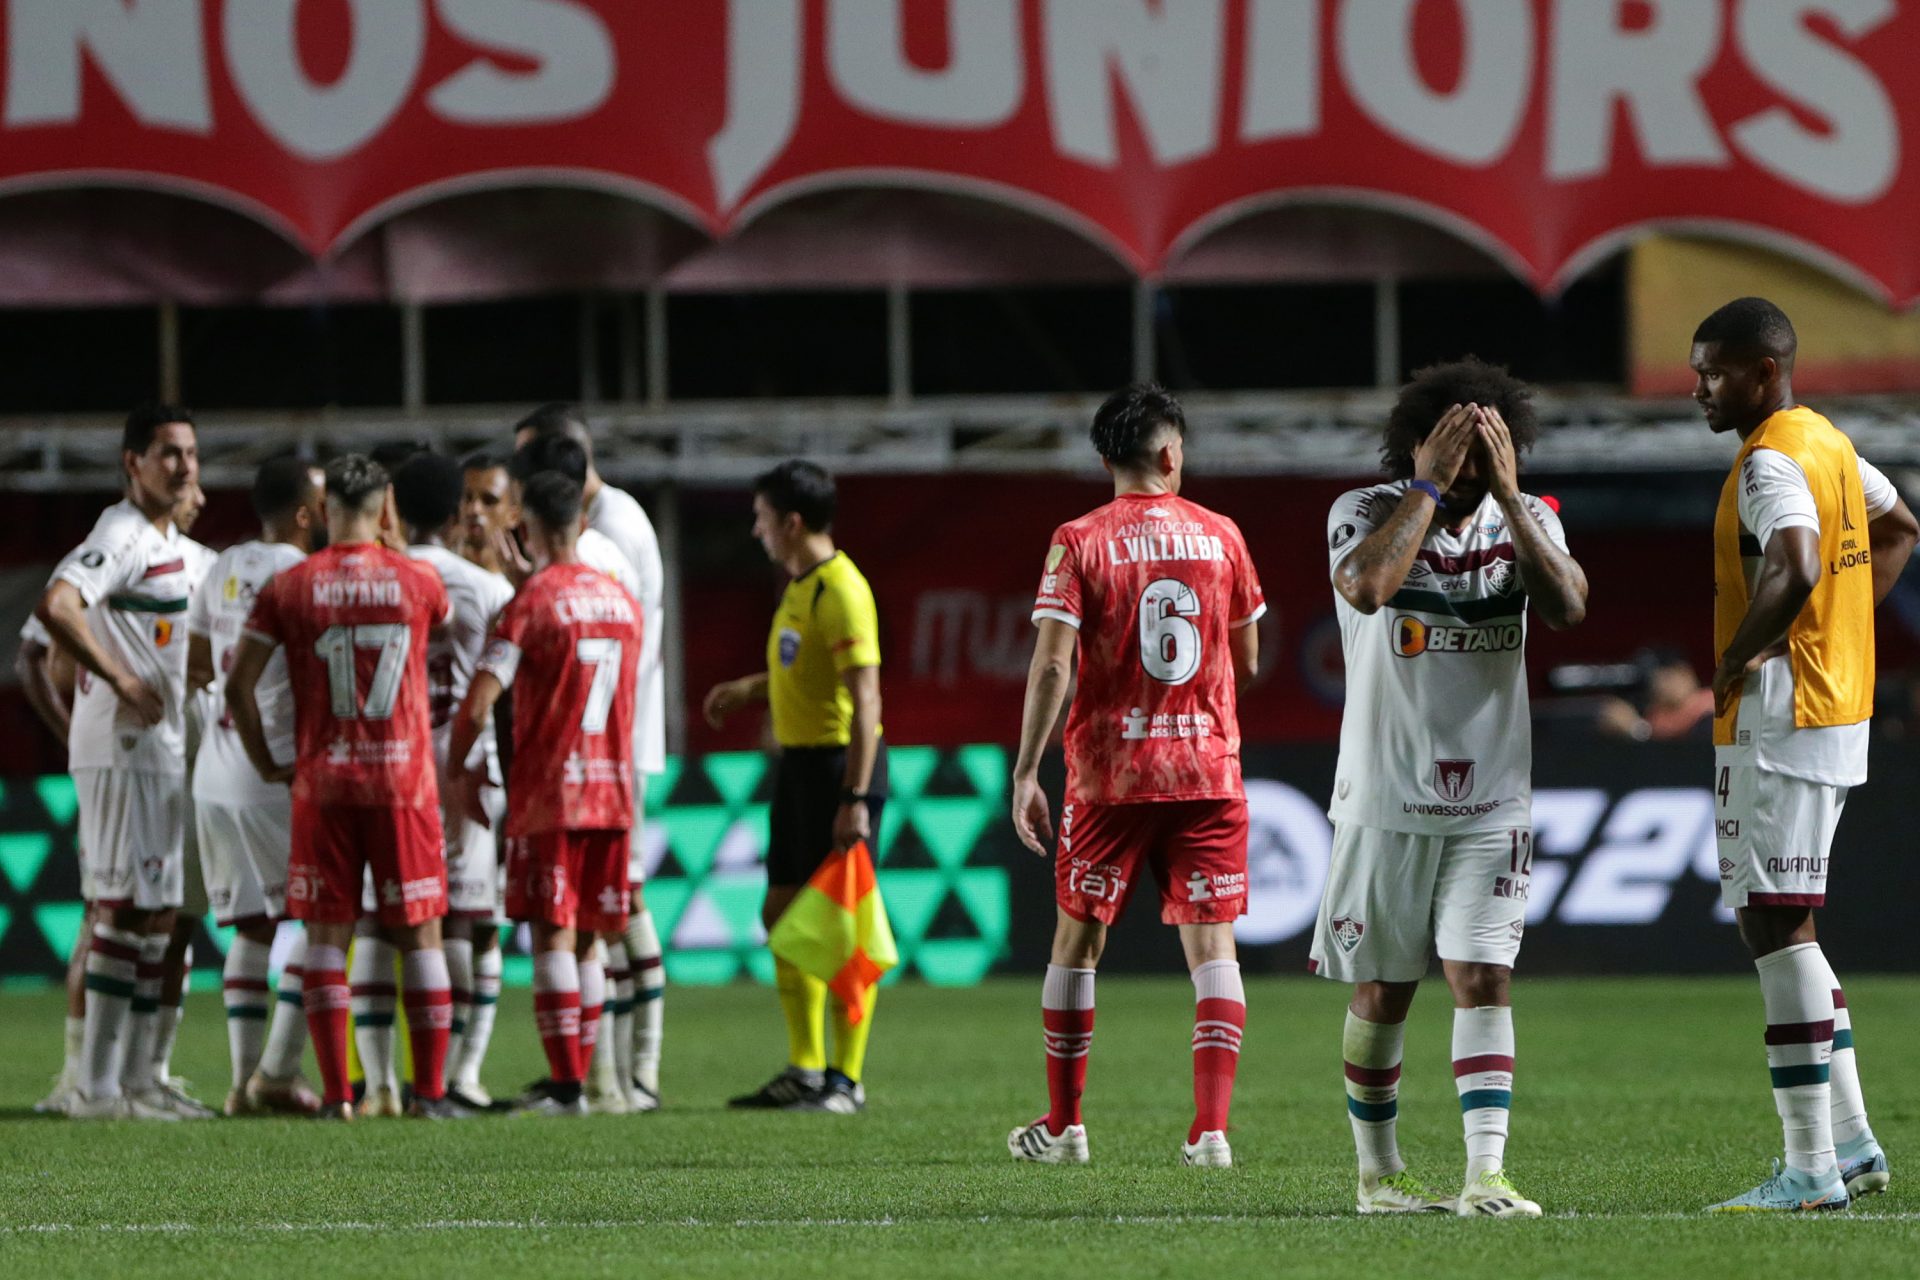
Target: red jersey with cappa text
[[354, 621], [1154, 585], [569, 646]]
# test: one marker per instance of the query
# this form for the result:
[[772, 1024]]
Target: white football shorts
[[1393, 898], [636, 854], [243, 854], [132, 835], [1775, 836], [471, 871]]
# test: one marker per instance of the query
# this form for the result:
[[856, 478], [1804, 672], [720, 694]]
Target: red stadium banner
[[1547, 131]]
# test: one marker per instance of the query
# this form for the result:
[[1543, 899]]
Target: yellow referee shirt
[[825, 625]]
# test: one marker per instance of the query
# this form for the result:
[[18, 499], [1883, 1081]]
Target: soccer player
[[822, 684], [33, 667], [1808, 540], [246, 824], [487, 513], [1432, 803], [354, 620], [1160, 596], [571, 641], [113, 603], [428, 491], [636, 972]]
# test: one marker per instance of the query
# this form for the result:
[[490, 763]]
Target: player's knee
[[1476, 986], [1077, 944], [1766, 930], [1383, 1002]]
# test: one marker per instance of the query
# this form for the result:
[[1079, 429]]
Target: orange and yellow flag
[[836, 929]]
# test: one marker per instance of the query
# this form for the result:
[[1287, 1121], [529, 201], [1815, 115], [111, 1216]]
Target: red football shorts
[[1197, 850], [333, 844], [569, 879]]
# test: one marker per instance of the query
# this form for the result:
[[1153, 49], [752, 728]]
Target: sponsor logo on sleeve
[[1341, 536]]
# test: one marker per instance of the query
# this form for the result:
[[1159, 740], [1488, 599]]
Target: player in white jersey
[[427, 492], [245, 825], [117, 602], [636, 980], [1808, 539], [1433, 574]]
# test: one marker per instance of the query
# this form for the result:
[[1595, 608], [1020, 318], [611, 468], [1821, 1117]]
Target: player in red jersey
[[1161, 597], [354, 619], [570, 643]]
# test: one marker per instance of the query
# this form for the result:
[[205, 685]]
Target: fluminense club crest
[[1347, 932], [1453, 779]]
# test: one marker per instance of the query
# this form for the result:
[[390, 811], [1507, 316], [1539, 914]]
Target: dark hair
[[353, 479], [1437, 388], [801, 488], [427, 490], [558, 419], [482, 460], [552, 500], [391, 453], [280, 485], [549, 453], [143, 422], [1749, 328], [1127, 426]]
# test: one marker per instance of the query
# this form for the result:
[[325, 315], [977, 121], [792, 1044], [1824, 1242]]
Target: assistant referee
[[823, 684]]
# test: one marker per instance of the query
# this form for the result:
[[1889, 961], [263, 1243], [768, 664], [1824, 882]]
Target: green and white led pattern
[[706, 834]]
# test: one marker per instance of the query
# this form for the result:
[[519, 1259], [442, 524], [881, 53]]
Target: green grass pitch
[[1636, 1103]]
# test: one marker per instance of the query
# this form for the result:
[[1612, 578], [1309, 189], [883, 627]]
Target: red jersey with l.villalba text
[[354, 621], [569, 647], [1154, 585]]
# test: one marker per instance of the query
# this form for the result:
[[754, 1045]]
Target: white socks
[[1849, 1104], [465, 1071], [1483, 1076], [1372, 1053], [143, 1020], [287, 1034], [370, 974], [459, 953], [113, 965], [1798, 987], [249, 1001], [649, 978]]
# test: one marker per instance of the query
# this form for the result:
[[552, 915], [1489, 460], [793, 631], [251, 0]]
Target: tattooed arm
[[1373, 571]]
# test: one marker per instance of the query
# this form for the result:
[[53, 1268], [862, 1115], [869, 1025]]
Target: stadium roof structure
[[725, 443]]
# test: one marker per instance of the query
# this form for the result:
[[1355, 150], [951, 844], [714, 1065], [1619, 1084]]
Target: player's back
[[219, 611], [569, 644], [355, 622], [476, 596], [1155, 586]]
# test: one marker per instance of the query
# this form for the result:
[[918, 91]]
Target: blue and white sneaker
[[1789, 1191], [1865, 1170]]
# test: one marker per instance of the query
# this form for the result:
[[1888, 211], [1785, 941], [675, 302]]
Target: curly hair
[[1438, 387]]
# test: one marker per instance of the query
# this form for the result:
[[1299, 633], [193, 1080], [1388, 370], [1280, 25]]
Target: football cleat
[[381, 1102], [551, 1098], [1209, 1152], [151, 1104], [1492, 1195], [291, 1096], [334, 1111], [1789, 1191], [474, 1097], [237, 1105], [791, 1090], [605, 1097], [57, 1102], [81, 1107], [183, 1103], [1399, 1193], [840, 1094], [1865, 1172], [640, 1098], [435, 1109], [1038, 1144]]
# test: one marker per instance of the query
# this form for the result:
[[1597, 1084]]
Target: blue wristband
[[1427, 487]]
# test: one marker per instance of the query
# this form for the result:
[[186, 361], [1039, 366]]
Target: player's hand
[[513, 561], [1031, 821], [722, 701], [852, 824], [275, 773], [141, 698], [1503, 470], [1728, 680], [1437, 459], [475, 809]]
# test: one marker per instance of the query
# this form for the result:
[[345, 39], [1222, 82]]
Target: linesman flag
[[836, 929]]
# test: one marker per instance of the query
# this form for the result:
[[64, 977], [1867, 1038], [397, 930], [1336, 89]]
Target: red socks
[[556, 1012], [1219, 1018], [1066, 1007], [428, 997], [326, 998]]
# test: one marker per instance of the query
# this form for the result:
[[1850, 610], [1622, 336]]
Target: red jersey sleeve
[[1249, 602], [1059, 597], [501, 657]]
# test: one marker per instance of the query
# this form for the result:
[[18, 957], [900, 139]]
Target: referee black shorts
[[806, 794]]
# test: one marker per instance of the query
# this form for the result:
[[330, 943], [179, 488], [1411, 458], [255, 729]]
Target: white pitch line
[[806, 1224]]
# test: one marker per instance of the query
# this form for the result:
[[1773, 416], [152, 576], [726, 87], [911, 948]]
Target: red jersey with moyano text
[[354, 621], [1154, 585], [569, 646]]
